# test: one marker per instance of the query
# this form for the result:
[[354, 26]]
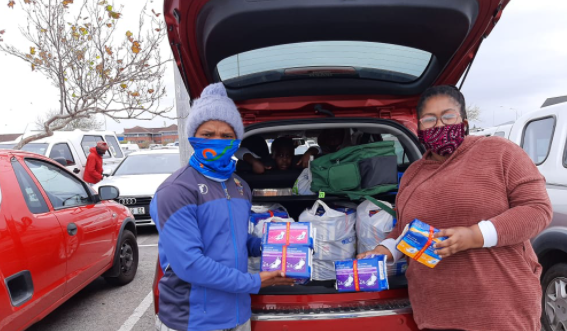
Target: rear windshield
[[148, 164], [363, 59]]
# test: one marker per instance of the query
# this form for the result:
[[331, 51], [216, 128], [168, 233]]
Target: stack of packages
[[260, 215], [373, 225], [367, 275], [288, 247], [335, 238]]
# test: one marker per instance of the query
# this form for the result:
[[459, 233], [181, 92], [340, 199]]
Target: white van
[[74, 147], [543, 135]]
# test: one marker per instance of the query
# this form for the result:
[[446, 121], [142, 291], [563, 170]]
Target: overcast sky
[[523, 62]]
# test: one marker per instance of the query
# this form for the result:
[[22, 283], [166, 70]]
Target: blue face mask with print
[[213, 157]]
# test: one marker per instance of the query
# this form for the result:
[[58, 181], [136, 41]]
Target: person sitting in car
[[202, 213], [283, 152], [281, 157]]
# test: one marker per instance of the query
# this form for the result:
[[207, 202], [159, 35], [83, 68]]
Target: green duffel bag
[[357, 171]]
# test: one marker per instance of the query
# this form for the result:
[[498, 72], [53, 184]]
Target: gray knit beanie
[[214, 105]]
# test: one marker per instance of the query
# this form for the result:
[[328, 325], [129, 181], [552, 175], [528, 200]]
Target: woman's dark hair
[[445, 90]]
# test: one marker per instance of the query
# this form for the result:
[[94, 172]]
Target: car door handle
[[72, 229]]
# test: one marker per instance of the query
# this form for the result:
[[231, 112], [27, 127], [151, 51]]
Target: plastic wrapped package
[[260, 214], [298, 234], [417, 242], [258, 231], [294, 261], [373, 225], [364, 275], [335, 237]]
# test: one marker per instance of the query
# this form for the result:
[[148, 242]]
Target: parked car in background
[[73, 148], [543, 135], [129, 148], [155, 146], [57, 236], [316, 65], [503, 130], [138, 178]]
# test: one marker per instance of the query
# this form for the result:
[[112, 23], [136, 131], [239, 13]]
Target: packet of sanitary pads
[[298, 234], [366, 275], [417, 242], [294, 261]]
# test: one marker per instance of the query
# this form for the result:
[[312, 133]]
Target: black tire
[[127, 260], [554, 307]]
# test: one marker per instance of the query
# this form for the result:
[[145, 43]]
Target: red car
[[297, 67], [57, 236]]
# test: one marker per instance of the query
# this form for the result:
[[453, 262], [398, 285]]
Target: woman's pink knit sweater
[[481, 289]]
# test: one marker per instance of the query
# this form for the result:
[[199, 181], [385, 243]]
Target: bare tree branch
[[72, 44], [473, 113]]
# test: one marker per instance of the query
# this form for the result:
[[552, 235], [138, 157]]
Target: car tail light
[[157, 276]]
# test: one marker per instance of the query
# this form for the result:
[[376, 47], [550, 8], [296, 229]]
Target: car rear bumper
[[399, 321], [386, 310]]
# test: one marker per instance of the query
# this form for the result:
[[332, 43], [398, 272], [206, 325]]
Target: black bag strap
[[381, 205]]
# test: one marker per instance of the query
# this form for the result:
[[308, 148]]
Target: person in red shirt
[[93, 170]]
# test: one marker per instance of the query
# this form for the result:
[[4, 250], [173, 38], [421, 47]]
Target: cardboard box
[[417, 243], [364, 275]]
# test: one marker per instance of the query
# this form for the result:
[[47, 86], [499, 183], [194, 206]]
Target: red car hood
[[202, 33]]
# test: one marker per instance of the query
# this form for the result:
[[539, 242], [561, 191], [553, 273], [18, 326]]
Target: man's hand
[[271, 278], [258, 167], [379, 250], [459, 239]]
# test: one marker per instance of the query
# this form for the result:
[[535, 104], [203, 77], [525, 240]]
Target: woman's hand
[[270, 278], [459, 239], [379, 250]]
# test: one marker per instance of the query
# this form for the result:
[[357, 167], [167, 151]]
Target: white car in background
[[139, 176], [72, 148]]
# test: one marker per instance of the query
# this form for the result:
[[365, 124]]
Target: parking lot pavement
[[102, 307]]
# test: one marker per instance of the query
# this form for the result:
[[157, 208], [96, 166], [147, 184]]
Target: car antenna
[[319, 110]]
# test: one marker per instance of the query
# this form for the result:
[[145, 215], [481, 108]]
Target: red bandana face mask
[[443, 140]]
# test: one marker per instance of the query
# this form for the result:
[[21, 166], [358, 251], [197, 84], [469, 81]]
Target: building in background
[[9, 137], [146, 136]]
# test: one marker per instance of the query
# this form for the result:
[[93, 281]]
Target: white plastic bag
[[302, 185], [262, 211], [335, 237], [258, 231], [373, 225]]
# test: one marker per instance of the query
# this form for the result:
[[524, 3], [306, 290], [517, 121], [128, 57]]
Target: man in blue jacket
[[201, 213]]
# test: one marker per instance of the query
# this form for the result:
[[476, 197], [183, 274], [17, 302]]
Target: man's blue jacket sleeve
[[181, 241]]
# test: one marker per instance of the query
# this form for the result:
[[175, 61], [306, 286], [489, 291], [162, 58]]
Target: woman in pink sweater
[[489, 198]]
